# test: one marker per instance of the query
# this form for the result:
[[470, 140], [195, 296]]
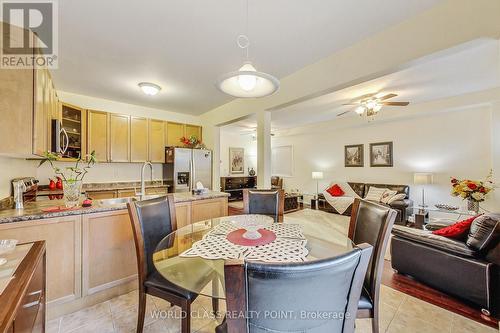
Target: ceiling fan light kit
[[370, 105], [247, 82]]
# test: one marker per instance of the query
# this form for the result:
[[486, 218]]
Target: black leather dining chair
[[292, 297], [152, 220], [265, 202], [371, 223]]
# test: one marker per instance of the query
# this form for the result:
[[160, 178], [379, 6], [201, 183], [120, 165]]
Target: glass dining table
[[206, 276]]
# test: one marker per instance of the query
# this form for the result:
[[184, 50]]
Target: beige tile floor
[[399, 312]]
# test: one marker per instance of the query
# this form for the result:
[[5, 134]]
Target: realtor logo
[[29, 37]]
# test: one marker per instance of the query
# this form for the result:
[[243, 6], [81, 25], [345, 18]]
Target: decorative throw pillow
[[458, 230], [335, 191], [388, 194], [375, 194], [483, 231], [396, 197]]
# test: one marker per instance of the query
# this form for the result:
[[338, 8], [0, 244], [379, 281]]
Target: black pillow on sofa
[[483, 230]]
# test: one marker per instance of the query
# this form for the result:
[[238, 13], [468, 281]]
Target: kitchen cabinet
[[40, 113], [183, 214], [119, 137], [97, 133], [208, 209], [175, 132], [157, 141], [73, 121], [193, 130], [62, 237], [109, 257], [16, 109], [138, 139]]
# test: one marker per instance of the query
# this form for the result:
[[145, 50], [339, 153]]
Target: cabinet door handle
[[30, 305], [38, 292]]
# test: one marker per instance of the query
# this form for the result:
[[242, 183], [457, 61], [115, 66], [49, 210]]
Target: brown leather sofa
[[468, 269], [403, 207]]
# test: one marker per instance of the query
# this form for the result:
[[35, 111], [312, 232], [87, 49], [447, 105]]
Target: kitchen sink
[[115, 201], [121, 201]]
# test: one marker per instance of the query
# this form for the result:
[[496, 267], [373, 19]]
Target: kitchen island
[[90, 251]]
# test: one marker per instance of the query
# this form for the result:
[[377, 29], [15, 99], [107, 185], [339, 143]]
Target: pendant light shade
[[248, 82]]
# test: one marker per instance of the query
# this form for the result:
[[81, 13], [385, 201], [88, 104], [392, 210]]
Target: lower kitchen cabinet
[[108, 250], [208, 209], [183, 214], [62, 237]]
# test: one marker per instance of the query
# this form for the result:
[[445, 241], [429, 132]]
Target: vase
[[473, 206], [72, 191]]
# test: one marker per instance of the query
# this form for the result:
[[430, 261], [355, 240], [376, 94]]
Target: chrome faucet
[[142, 194]]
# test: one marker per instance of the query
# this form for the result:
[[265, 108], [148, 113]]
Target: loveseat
[[468, 268], [403, 207]]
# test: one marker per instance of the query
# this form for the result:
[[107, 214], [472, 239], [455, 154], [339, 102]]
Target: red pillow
[[335, 191], [458, 230]]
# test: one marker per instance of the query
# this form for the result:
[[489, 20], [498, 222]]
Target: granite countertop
[[34, 210], [44, 190]]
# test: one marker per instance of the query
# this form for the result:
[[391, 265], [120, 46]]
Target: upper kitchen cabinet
[[193, 130], [119, 137], [73, 125], [40, 113], [175, 132], [157, 140], [138, 139], [97, 134]]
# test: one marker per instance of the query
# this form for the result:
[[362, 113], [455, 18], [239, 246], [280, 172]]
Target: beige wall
[[229, 139]]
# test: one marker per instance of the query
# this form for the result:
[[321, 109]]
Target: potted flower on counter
[[474, 191], [72, 176]]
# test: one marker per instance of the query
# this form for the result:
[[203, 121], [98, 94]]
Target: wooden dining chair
[[265, 202], [371, 223], [152, 220], [329, 286]]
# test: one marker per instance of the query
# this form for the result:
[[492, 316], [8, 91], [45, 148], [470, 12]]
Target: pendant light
[[247, 81]]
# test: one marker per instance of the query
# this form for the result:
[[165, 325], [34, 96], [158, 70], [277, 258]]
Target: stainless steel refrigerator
[[184, 167]]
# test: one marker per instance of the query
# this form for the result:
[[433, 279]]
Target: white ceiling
[[107, 47], [470, 68]]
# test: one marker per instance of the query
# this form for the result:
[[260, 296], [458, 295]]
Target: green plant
[[70, 174]]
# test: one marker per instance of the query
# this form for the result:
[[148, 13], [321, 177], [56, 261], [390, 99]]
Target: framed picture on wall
[[354, 156], [381, 154], [237, 160]]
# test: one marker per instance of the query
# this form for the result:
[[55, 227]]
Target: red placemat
[[236, 237], [56, 209]]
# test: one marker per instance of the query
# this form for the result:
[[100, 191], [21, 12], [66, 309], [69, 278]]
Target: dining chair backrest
[[152, 220], [292, 297], [372, 223], [266, 202]]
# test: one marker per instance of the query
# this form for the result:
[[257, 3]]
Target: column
[[494, 201], [264, 149]]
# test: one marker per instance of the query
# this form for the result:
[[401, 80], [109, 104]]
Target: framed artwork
[[354, 156], [381, 154], [237, 160]]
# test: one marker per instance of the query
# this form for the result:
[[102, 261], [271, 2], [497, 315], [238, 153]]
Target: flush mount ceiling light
[[247, 81], [149, 88]]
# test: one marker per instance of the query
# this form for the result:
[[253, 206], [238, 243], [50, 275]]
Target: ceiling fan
[[370, 104]]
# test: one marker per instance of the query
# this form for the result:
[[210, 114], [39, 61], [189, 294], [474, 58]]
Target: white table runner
[[289, 246]]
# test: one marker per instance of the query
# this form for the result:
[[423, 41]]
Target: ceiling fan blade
[[383, 98], [343, 113], [395, 103], [351, 104]]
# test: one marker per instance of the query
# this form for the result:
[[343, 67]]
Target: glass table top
[[206, 277], [440, 210]]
